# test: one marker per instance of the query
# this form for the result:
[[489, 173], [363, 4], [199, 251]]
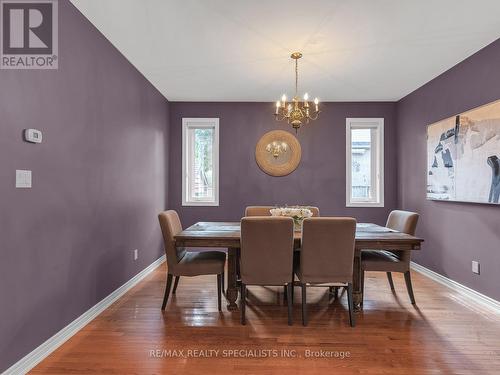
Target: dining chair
[[392, 261], [266, 255], [327, 257], [265, 210], [181, 262]]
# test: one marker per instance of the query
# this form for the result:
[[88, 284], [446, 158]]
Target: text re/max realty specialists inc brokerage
[[248, 353]]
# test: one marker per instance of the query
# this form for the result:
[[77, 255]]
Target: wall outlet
[[23, 179], [475, 267], [136, 254]]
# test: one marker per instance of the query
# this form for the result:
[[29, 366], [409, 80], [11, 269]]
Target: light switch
[[23, 179], [475, 267]]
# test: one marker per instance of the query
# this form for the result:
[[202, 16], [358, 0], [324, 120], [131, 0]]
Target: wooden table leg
[[357, 294], [232, 279]]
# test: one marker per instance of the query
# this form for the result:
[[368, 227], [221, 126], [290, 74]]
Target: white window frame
[[377, 170], [199, 123]]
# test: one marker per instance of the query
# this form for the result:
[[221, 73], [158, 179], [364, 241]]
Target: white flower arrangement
[[298, 214]]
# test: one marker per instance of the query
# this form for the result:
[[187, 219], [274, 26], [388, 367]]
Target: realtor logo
[[29, 34]]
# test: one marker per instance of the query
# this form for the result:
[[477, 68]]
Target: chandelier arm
[[314, 116], [280, 117]]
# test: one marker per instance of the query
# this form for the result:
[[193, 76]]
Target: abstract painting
[[463, 156]]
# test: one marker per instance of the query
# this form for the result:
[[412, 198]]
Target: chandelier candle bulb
[[278, 104]]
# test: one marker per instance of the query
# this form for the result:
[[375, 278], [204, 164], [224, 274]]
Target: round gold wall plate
[[286, 161]]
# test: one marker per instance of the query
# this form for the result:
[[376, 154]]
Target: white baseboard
[[37, 355], [467, 292]]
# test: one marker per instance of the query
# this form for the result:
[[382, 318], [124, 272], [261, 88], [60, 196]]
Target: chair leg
[[243, 293], [335, 291], [238, 268], [289, 301], [219, 287], [352, 320], [292, 287], [223, 284], [409, 287], [362, 286], [167, 291], [175, 284], [304, 305], [285, 293], [391, 283]]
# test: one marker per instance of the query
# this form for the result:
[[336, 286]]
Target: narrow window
[[365, 162], [200, 161]]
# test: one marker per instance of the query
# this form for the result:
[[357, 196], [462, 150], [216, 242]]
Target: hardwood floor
[[443, 334]]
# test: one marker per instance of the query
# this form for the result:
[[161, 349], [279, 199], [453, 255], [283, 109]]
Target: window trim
[[363, 123], [196, 123]]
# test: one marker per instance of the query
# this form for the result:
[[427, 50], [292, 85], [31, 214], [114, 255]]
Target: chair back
[[265, 210], [266, 250], [258, 211], [403, 221], [170, 226], [327, 253]]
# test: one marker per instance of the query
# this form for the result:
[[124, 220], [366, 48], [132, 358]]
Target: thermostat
[[33, 135]]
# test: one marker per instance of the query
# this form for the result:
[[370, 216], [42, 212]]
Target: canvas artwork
[[463, 156]]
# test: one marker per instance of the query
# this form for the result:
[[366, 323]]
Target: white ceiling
[[237, 50]]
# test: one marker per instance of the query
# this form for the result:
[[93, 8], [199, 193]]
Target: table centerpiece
[[298, 214]]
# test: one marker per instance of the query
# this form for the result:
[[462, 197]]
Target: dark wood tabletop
[[227, 234]]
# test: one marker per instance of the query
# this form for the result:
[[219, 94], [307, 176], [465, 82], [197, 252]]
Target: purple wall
[[102, 174], [455, 233], [99, 180], [319, 180]]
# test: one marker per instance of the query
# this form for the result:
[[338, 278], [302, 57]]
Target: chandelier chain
[[296, 77]]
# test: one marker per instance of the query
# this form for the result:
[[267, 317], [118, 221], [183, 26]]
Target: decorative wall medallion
[[278, 153]]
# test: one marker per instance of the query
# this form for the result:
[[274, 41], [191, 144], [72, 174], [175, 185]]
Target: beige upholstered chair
[[266, 255], [188, 263], [258, 211], [392, 261], [264, 210], [327, 256]]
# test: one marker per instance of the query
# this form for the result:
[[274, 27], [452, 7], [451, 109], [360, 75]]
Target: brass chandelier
[[297, 112]]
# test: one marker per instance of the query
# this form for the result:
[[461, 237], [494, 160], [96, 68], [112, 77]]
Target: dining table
[[227, 235]]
